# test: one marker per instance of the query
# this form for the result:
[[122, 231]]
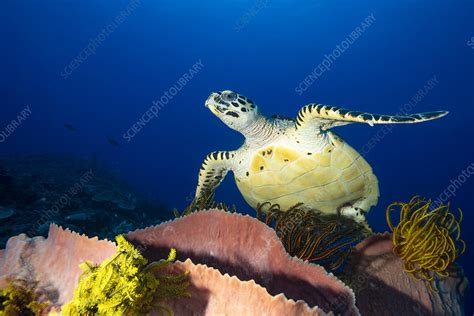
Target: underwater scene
[[246, 157]]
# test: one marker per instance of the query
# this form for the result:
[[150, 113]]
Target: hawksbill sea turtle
[[286, 161]]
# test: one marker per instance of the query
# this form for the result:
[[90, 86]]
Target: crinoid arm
[[20, 297], [323, 117], [126, 284], [426, 238], [308, 235]]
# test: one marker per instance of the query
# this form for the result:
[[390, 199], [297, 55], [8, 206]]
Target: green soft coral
[[126, 285], [20, 299]]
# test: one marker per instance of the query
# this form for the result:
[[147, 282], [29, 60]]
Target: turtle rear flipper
[[326, 117]]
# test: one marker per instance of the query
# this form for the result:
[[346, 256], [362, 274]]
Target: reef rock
[[382, 287], [121, 199]]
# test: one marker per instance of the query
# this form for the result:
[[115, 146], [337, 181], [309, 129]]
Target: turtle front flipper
[[324, 117], [213, 171]]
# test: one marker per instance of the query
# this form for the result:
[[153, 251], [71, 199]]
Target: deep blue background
[[409, 42]]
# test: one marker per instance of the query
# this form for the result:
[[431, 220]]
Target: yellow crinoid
[[427, 237], [126, 284]]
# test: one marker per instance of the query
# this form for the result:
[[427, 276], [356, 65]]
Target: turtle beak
[[211, 99], [212, 104]]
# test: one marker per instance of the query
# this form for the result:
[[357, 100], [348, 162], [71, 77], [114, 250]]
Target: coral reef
[[237, 265], [125, 285], [382, 287], [244, 247], [82, 195], [210, 290], [428, 240]]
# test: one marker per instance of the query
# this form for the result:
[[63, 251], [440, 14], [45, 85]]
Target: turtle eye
[[229, 96]]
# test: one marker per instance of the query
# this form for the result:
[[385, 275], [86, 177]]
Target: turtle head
[[235, 110]]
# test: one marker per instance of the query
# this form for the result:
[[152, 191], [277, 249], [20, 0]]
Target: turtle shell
[[323, 181]]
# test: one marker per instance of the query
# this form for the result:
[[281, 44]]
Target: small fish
[[79, 217], [70, 127], [113, 142]]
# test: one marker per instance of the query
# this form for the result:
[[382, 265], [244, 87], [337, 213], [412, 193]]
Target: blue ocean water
[[100, 66]]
